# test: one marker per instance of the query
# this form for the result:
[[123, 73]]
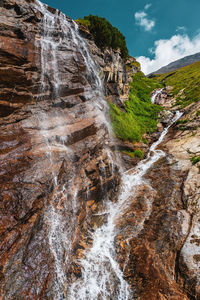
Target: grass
[[140, 115], [198, 113], [186, 79], [137, 153], [133, 63], [182, 121], [195, 159], [144, 141]]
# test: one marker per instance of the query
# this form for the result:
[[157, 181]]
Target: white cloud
[[142, 20], [181, 28], [167, 51], [147, 6]]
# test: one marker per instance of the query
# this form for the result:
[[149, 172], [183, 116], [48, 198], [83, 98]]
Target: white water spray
[[56, 30], [154, 96], [102, 277]]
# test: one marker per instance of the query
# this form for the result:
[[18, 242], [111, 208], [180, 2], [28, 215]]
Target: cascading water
[[100, 268], [61, 229], [156, 93], [101, 276]]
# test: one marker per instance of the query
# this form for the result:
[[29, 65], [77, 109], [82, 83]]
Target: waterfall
[[100, 268], [101, 276], [62, 227], [155, 94]]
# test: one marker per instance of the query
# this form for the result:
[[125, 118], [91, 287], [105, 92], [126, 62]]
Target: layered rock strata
[[57, 167], [55, 161], [116, 72], [160, 229]]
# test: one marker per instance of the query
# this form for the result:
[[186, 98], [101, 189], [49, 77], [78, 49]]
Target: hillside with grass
[[140, 116], [185, 83]]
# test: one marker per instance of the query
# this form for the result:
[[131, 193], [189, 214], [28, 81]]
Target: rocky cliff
[[72, 226], [54, 147], [160, 228]]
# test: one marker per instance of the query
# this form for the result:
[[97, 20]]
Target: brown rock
[[54, 170]]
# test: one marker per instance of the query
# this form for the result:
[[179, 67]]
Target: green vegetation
[[144, 141], [142, 86], [182, 121], [140, 115], [198, 113], [195, 159], [183, 128], [185, 79], [133, 63], [137, 153], [129, 153], [83, 22], [105, 35]]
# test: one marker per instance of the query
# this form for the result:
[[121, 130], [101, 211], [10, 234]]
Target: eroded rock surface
[[184, 146], [57, 165], [54, 150], [159, 233]]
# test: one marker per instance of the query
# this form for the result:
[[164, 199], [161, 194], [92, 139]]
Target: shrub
[[137, 153], [144, 141], [195, 159], [182, 121], [83, 22], [105, 35]]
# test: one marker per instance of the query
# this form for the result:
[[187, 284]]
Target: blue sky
[[145, 23]]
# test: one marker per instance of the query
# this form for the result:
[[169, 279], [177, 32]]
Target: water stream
[[100, 268], [56, 32], [102, 278], [155, 94]]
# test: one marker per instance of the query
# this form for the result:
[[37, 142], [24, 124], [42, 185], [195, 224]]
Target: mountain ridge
[[177, 64]]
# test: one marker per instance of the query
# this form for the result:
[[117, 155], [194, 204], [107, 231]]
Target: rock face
[[160, 229], [184, 146], [53, 154], [58, 169], [116, 72]]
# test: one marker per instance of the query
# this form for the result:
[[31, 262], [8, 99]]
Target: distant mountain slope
[[185, 83], [185, 61]]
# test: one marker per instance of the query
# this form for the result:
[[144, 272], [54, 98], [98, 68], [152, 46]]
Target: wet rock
[[57, 165], [164, 98], [165, 117], [184, 145], [54, 167], [116, 71], [158, 244]]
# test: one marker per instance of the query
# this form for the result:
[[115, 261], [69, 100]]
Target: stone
[[58, 163], [46, 137]]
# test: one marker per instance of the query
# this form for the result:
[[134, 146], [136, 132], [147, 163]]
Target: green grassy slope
[[140, 114], [186, 79]]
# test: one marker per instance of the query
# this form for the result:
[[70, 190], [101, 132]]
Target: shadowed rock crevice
[[6, 110]]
